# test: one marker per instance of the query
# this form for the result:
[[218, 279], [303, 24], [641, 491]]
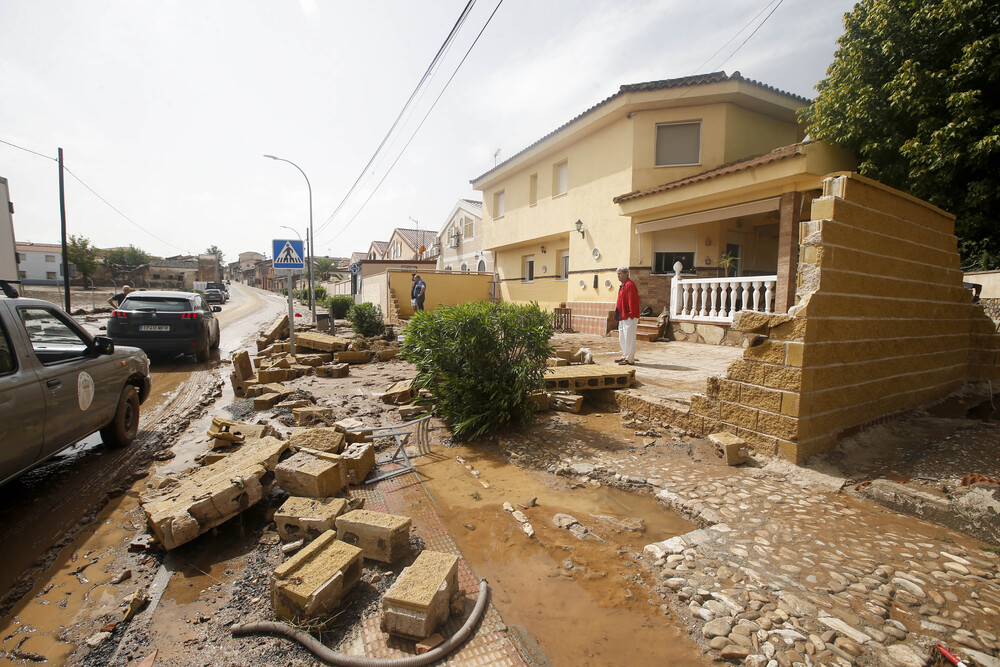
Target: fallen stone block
[[226, 432], [268, 401], [333, 371], [312, 473], [540, 400], [213, 494], [289, 405], [313, 359], [314, 582], [382, 537], [418, 603], [730, 448], [324, 439], [399, 393], [360, 459], [313, 415], [387, 353], [242, 366], [566, 402], [272, 375], [353, 429], [278, 329], [321, 342], [409, 412], [308, 517], [239, 389], [352, 357], [262, 344], [553, 362], [300, 370]]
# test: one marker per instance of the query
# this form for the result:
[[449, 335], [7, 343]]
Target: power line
[[759, 26], [447, 42], [94, 192], [422, 120], [737, 34]]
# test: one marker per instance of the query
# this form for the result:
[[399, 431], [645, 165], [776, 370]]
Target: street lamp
[[310, 238]]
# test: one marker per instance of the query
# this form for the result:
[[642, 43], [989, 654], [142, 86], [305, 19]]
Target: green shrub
[[319, 293], [480, 361], [366, 319], [339, 305]]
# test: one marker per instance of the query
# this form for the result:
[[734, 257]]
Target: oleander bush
[[339, 305], [480, 361], [366, 319]]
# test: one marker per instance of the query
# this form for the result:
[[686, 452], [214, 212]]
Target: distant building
[[39, 263], [459, 245]]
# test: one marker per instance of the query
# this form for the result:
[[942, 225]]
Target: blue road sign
[[288, 254]]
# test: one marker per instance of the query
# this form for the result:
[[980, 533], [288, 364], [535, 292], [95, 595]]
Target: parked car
[[59, 384], [215, 296], [162, 322]]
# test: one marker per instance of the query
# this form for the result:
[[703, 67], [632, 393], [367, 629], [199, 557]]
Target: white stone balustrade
[[719, 299]]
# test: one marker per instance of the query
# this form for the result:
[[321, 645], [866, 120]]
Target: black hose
[[326, 654]]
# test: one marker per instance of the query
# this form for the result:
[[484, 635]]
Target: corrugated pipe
[[327, 655]]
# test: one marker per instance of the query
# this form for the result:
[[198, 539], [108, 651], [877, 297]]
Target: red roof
[[733, 167]]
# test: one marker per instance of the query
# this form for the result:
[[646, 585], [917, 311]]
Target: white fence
[[719, 299]]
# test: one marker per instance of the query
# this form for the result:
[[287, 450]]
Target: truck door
[[22, 410], [80, 389]]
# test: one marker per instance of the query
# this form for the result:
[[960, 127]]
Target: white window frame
[[499, 204], [560, 178], [525, 262], [50, 258], [656, 138], [468, 223], [563, 264], [533, 190]]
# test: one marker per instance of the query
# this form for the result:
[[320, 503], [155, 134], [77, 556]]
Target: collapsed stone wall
[[881, 324], [992, 309]]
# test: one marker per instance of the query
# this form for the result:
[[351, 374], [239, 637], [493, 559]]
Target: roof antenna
[[416, 221], [495, 154]]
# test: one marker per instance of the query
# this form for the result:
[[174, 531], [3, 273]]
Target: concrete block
[[324, 439], [346, 426], [540, 399], [312, 473], [213, 494], [730, 448], [239, 389], [333, 371], [399, 393], [321, 342], [566, 402], [418, 603], [314, 582], [313, 415], [382, 537], [352, 357], [308, 517], [226, 432], [269, 400], [312, 359], [278, 329], [360, 459]]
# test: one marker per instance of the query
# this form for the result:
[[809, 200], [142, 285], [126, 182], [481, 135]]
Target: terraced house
[[697, 184]]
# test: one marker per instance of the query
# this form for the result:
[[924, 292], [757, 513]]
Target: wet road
[[50, 508]]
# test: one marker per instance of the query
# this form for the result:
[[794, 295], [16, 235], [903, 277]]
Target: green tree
[[81, 251], [914, 91], [214, 250], [130, 256], [480, 361], [322, 265]]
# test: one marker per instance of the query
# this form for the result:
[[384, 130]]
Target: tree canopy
[[80, 251], [130, 256], [914, 91]]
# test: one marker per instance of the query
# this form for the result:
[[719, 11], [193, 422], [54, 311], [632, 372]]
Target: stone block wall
[[881, 324], [992, 309], [706, 334]]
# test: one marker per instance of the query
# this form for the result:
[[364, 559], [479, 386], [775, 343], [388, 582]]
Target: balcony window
[[663, 262], [678, 144], [470, 228]]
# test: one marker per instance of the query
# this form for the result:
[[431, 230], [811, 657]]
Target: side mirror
[[216, 309], [103, 345]]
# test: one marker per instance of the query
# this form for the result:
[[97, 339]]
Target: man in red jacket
[[627, 314]]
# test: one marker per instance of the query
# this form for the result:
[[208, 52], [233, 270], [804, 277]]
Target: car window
[[8, 364], [158, 303], [52, 338], [203, 304]]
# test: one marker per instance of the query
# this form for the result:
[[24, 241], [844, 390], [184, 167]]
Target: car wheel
[[125, 424], [202, 354], [218, 340]]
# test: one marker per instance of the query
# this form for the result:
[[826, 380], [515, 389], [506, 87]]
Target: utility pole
[[62, 216]]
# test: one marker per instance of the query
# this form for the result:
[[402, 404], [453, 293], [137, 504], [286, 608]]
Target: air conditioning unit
[[453, 239]]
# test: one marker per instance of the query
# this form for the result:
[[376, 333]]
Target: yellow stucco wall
[[882, 324], [443, 289]]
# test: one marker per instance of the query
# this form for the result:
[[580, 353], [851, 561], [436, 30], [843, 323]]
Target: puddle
[[585, 602]]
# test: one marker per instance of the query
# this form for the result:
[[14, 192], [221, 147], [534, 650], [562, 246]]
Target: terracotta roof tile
[[473, 203], [28, 246], [694, 80], [358, 257], [418, 237], [733, 167]]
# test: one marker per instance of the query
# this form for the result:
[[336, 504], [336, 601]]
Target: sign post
[[288, 255]]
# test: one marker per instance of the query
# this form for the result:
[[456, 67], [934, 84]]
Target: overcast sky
[[165, 107]]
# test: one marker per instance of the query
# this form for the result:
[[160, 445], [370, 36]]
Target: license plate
[[154, 327]]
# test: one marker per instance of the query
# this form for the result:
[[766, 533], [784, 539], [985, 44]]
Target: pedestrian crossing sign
[[288, 254]]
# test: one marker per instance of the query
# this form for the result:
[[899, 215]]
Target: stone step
[[648, 337]]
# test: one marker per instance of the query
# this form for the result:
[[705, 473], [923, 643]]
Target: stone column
[[788, 251]]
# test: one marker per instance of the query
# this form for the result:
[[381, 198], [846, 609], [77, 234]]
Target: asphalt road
[[44, 510]]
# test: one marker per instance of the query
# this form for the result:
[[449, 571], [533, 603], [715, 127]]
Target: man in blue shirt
[[418, 292]]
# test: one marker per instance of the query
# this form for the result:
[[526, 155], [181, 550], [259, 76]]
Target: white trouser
[[626, 337]]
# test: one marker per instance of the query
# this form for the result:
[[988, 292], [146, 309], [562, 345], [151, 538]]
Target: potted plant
[[727, 262]]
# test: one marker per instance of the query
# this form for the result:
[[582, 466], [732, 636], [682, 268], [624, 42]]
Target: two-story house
[[39, 263], [459, 244], [708, 174]]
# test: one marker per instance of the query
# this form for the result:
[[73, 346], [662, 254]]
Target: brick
[[729, 447], [794, 354], [359, 458], [790, 404], [213, 494], [783, 377], [759, 442], [418, 603], [729, 390], [308, 517], [703, 405], [314, 582], [739, 415], [382, 537], [780, 426], [324, 439], [769, 351], [333, 371], [312, 473], [746, 371], [760, 397]]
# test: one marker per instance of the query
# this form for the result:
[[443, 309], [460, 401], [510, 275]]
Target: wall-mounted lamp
[[543, 250], [708, 260], [579, 228], [708, 240]]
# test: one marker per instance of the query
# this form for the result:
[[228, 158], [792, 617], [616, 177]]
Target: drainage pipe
[[324, 653]]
